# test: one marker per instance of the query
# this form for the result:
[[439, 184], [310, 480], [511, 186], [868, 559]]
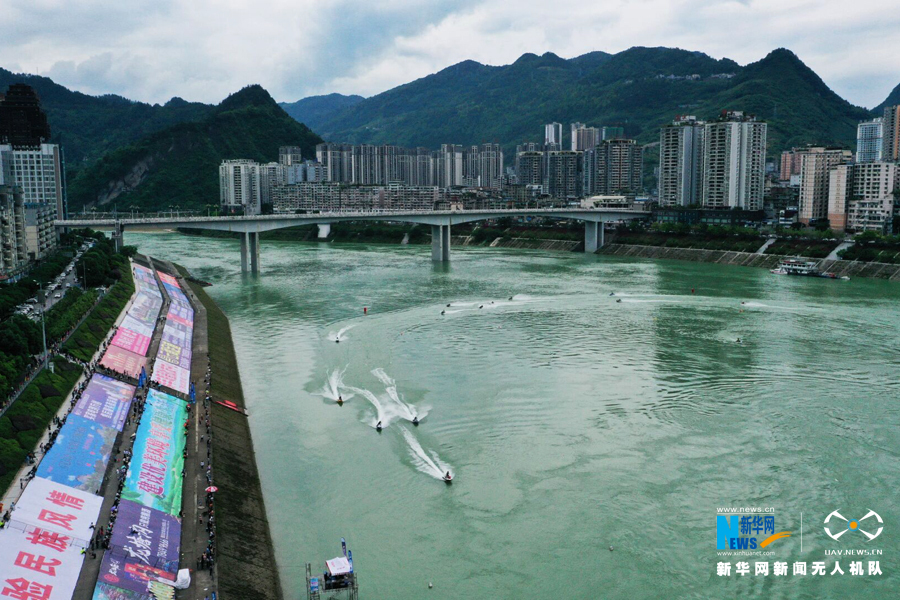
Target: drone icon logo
[[854, 525]]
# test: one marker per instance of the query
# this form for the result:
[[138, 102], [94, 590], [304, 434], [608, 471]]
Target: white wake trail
[[407, 411], [333, 386], [381, 415], [425, 463], [339, 335]]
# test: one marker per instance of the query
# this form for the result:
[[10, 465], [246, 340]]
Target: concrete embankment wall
[[750, 259], [246, 556]]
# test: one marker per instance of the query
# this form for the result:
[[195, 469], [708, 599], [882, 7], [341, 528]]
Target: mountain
[[893, 99], [88, 126], [639, 89], [316, 109], [178, 166]]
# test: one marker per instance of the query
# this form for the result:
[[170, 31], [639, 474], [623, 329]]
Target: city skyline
[[126, 51]]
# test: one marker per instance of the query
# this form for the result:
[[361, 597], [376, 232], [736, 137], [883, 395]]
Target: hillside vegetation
[[178, 166], [639, 89]]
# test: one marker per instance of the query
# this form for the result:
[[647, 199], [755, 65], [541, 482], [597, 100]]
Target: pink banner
[[176, 378], [166, 278], [131, 341], [122, 361]]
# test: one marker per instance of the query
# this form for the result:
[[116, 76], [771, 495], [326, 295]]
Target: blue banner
[[80, 454]]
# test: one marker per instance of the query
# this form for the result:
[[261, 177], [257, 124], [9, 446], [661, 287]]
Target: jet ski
[[337, 340], [510, 297], [340, 400], [618, 299], [443, 312], [448, 478], [378, 426], [415, 421]]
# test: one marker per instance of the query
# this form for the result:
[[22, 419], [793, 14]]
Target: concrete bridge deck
[[249, 227]]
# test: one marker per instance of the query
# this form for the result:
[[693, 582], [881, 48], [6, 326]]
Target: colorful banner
[[147, 536], [145, 307], [180, 314], [38, 565], [121, 360], [166, 278], [106, 401], [131, 340], [176, 337], [154, 476], [174, 377], [58, 508], [136, 326], [104, 591], [169, 352], [119, 572], [79, 457]]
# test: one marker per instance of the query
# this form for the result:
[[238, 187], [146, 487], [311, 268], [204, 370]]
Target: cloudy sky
[[204, 49]]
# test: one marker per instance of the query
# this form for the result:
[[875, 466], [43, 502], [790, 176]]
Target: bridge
[[249, 227]]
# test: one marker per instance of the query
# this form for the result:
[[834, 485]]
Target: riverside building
[[816, 163], [869, 140], [681, 162], [734, 162]]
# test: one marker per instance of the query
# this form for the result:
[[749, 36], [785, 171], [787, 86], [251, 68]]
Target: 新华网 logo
[[746, 532], [852, 525]]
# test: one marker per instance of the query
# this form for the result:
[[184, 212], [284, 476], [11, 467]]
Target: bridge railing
[[181, 217]]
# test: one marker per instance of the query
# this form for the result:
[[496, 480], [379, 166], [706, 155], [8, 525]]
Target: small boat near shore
[[803, 268]]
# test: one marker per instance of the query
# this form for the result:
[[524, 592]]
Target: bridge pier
[[324, 230], [244, 255], [440, 243], [250, 252], [118, 236], [593, 236], [253, 239]]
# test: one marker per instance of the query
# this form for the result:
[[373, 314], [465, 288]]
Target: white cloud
[[204, 49]]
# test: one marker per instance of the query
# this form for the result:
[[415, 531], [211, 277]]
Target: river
[[592, 437]]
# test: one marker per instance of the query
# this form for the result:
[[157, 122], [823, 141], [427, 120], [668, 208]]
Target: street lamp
[[43, 328]]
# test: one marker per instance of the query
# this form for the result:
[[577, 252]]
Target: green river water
[[572, 422]]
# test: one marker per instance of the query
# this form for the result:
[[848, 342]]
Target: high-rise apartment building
[[27, 159], [872, 205], [840, 180], [530, 167], [790, 164], [289, 155], [13, 246], [816, 164], [734, 162], [584, 137], [553, 133], [22, 122], [38, 170], [869, 139], [891, 133], [239, 186], [562, 174], [613, 132], [681, 162], [614, 167], [40, 234]]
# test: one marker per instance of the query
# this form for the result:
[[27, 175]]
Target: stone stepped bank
[[750, 259]]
